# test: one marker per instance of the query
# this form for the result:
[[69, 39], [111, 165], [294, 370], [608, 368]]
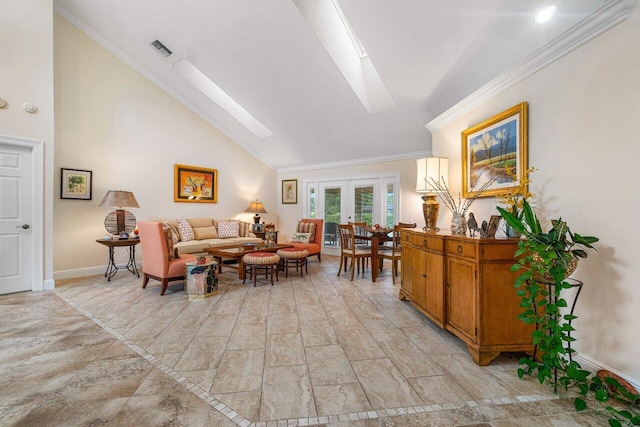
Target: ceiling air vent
[[162, 49]]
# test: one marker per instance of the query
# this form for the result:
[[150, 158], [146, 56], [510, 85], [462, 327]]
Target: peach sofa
[[202, 227]]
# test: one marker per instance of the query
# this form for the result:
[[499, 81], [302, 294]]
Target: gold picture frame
[[195, 184], [491, 146], [289, 191]]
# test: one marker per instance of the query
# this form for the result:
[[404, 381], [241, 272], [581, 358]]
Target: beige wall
[[116, 123], [26, 40], [583, 114]]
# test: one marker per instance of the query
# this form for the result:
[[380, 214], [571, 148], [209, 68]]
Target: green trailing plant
[[545, 259]]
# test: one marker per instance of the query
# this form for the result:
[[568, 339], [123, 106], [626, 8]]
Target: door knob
[[25, 226]]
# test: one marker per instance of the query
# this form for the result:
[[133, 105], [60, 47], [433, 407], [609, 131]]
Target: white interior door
[[16, 238]]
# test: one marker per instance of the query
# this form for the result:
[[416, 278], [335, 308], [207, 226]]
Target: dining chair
[[360, 231], [394, 253], [348, 249]]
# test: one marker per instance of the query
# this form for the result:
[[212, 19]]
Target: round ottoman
[[256, 261], [293, 257]]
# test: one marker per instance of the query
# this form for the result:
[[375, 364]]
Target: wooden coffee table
[[237, 252]]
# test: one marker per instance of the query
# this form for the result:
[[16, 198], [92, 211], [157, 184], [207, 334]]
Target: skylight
[[352, 33], [330, 24], [194, 76]]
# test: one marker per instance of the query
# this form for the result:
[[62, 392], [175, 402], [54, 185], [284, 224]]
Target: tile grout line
[[176, 376], [233, 416]]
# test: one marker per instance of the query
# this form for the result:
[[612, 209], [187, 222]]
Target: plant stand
[[574, 283]]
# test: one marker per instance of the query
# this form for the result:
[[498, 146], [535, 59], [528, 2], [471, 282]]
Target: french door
[[351, 200]]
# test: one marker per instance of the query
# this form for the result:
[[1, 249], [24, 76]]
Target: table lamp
[[120, 221], [257, 208], [430, 170]]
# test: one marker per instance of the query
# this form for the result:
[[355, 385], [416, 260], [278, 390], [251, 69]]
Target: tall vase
[[458, 225]]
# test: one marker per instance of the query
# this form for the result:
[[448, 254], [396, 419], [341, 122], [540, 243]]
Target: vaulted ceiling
[[269, 56]]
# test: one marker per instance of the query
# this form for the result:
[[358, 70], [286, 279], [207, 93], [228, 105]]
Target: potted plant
[[553, 253], [546, 259], [514, 197]]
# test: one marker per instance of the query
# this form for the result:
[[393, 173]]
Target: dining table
[[376, 235]]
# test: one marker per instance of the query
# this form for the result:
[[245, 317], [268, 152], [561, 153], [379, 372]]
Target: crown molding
[[356, 162], [98, 38], [601, 20]]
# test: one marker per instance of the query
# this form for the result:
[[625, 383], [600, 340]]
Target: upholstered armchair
[[315, 248], [155, 256]]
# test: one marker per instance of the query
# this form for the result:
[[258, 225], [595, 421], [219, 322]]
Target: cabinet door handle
[[424, 243], [459, 249], [424, 276]]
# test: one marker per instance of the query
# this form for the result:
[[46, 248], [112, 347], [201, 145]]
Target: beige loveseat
[[206, 235]]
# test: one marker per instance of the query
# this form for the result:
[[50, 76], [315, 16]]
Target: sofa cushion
[[201, 233], [301, 237], [186, 231], [228, 229], [307, 227], [200, 222], [192, 246]]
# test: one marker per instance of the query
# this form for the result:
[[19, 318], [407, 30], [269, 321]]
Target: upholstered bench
[[256, 261], [293, 257]]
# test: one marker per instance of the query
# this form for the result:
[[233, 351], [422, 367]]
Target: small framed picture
[[494, 221], [289, 191], [256, 228], [75, 184]]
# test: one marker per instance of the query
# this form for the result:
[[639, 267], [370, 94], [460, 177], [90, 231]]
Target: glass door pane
[[332, 205], [363, 205]]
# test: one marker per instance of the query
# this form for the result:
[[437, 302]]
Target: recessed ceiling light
[[545, 15], [194, 76]]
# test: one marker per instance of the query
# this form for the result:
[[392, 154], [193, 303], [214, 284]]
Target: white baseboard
[[79, 272], [592, 365], [49, 285]]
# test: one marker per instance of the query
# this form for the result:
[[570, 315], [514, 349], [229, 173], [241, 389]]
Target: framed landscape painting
[[493, 148], [195, 184], [75, 184], [289, 191]]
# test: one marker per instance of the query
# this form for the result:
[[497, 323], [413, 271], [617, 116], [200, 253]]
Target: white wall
[[583, 115], [26, 41], [116, 123]]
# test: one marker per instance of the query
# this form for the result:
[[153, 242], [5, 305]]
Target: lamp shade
[[431, 169], [119, 199], [256, 207]]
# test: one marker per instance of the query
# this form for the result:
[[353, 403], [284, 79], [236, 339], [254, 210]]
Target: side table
[[112, 268]]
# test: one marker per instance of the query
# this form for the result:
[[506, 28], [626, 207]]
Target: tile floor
[[314, 351]]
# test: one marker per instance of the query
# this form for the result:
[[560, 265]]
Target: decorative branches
[[462, 205]]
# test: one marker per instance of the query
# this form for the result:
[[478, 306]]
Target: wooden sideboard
[[466, 287]]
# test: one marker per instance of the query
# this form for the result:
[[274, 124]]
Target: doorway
[[21, 194]]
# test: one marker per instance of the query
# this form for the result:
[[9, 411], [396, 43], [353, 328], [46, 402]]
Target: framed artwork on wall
[[195, 184], [75, 184], [289, 191], [494, 148]]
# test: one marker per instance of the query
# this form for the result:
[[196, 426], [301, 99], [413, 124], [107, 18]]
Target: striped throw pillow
[[307, 227]]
